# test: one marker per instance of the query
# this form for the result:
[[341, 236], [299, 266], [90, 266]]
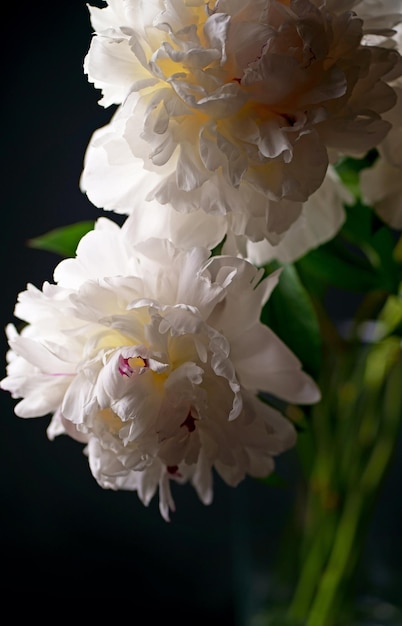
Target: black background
[[60, 533]]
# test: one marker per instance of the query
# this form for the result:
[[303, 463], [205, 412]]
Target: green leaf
[[381, 251], [359, 224], [62, 241], [291, 315], [362, 258], [364, 230], [349, 168], [273, 480], [340, 266]]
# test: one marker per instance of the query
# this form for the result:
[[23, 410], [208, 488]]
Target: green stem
[[313, 565], [346, 544], [322, 609], [332, 540]]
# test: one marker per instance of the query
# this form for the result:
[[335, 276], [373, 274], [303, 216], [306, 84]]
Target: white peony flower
[[322, 216], [154, 357], [379, 15], [381, 184], [231, 107]]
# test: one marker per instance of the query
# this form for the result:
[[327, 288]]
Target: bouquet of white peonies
[[255, 154]]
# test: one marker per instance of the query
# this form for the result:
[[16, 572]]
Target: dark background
[[60, 533]]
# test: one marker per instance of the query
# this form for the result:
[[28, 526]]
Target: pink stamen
[[173, 470], [189, 422], [126, 369]]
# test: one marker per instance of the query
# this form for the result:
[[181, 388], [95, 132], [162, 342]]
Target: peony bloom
[[321, 217], [379, 15], [381, 184], [231, 107], [137, 353]]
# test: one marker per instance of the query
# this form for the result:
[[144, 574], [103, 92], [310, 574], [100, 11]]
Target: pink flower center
[[132, 365], [189, 422], [173, 470]]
